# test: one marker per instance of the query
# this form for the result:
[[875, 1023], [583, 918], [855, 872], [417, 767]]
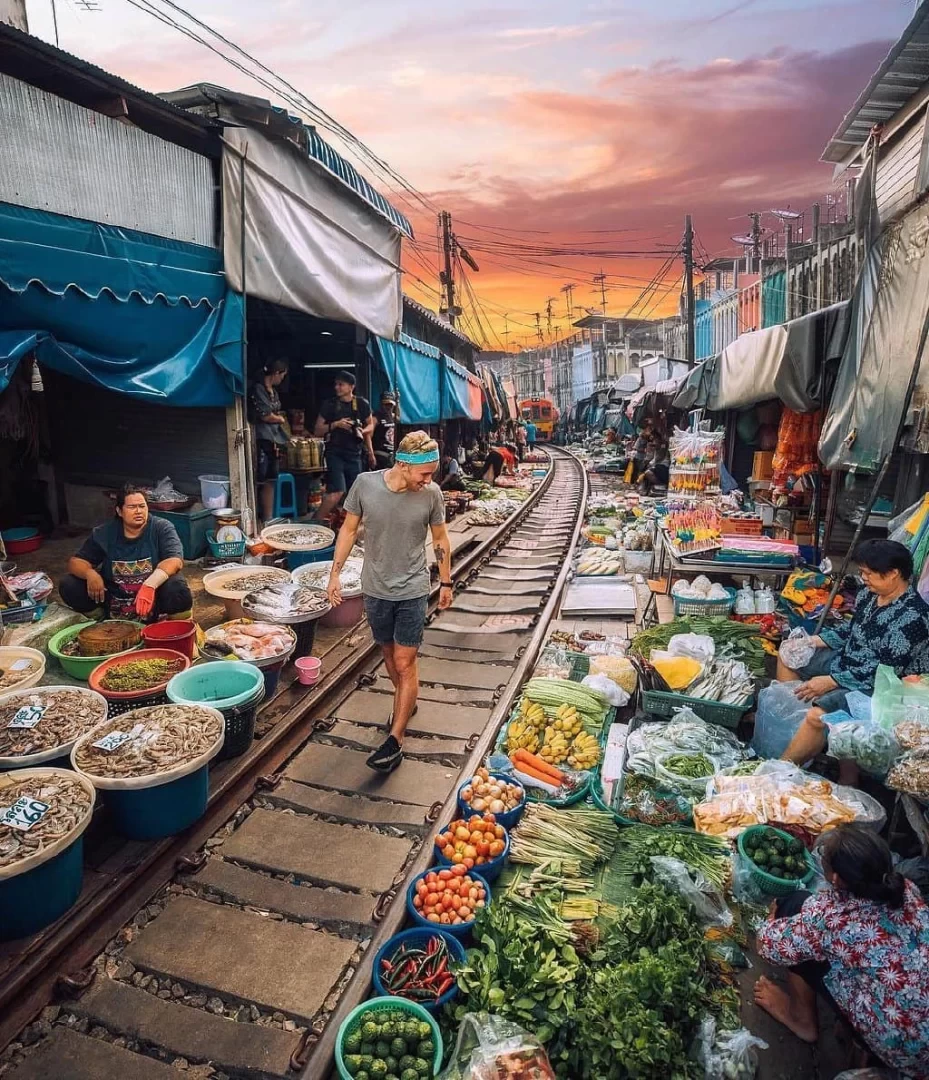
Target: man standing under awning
[[347, 423]]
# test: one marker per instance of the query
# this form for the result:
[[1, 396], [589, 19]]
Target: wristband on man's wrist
[[446, 585]]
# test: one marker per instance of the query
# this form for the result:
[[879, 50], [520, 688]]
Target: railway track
[[236, 949]]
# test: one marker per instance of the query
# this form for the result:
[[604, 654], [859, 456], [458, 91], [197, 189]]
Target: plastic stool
[[285, 496]]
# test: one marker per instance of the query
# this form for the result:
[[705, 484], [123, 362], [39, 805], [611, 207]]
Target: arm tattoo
[[338, 564], [440, 554]]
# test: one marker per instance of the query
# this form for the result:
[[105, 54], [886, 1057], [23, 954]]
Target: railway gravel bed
[[240, 961]]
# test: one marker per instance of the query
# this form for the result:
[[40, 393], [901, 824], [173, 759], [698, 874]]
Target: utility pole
[[548, 315], [506, 330], [600, 279], [538, 326], [690, 337], [447, 278], [568, 290], [756, 239]]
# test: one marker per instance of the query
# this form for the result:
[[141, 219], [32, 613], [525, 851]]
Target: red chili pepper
[[444, 987]]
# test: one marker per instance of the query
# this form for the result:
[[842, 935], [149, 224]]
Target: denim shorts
[[342, 470], [821, 664], [397, 622], [267, 466]]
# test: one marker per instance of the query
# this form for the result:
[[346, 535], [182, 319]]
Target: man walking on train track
[[399, 506]]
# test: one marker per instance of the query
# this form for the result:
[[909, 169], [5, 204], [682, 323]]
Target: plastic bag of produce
[[797, 649], [603, 684], [617, 668], [697, 646], [892, 697], [870, 746], [727, 1055], [491, 1048], [780, 713], [708, 903]]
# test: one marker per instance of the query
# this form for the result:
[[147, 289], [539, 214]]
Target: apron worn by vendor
[[125, 564]]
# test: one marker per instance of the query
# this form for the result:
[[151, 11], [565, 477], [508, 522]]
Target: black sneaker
[[390, 719], [386, 757]]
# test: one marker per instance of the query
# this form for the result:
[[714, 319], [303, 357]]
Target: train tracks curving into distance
[[235, 949]]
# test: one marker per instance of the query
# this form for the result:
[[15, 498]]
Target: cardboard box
[[763, 465]]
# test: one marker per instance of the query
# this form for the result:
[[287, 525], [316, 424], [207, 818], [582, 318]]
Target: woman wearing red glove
[[130, 567]]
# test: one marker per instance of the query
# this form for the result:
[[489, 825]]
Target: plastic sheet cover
[[888, 310], [138, 314], [309, 244], [431, 385]]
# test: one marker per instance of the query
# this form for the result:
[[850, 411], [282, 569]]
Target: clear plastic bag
[[699, 647], [780, 713], [727, 1055], [491, 1048], [868, 1074], [871, 747], [708, 903], [603, 684], [797, 649], [892, 697]]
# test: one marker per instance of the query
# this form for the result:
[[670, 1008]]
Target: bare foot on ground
[[770, 997]]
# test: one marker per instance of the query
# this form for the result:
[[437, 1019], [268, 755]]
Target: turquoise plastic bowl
[[222, 684]]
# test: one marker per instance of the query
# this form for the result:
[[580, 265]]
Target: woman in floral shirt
[[891, 626], [865, 942]]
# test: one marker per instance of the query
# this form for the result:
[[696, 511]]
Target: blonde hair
[[417, 442]]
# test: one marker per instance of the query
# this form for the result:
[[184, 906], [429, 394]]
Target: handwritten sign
[[24, 813], [114, 740], [28, 716]]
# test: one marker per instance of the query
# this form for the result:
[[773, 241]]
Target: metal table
[[678, 565]]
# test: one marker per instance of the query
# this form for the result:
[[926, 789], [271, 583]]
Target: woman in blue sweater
[[890, 626]]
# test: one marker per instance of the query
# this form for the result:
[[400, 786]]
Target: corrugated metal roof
[[904, 71], [437, 320], [13, 40]]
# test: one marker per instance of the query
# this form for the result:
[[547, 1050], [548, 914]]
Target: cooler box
[[192, 527]]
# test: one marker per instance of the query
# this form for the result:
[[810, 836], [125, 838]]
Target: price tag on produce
[[114, 740], [24, 813], [21, 665], [27, 717]]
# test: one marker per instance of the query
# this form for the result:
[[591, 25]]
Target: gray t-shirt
[[396, 526]]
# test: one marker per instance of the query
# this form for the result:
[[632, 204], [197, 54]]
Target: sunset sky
[[547, 122]]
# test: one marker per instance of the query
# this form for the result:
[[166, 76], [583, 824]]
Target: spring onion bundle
[[578, 840]]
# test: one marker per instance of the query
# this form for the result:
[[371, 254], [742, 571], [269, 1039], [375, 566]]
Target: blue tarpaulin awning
[[431, 386], [127, 311]]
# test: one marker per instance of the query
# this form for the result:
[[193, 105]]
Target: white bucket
[[214, 491]]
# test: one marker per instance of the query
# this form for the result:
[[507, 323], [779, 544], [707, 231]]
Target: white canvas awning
[[309, 244]]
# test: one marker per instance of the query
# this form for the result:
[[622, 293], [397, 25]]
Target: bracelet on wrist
[[446, 585]]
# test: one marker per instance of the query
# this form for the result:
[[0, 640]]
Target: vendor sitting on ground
[[501, 461], [891, 626], [658, 469], [448, 474], [130, 567], [864, 942]]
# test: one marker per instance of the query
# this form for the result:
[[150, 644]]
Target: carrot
[[527, 770], [539, 765]]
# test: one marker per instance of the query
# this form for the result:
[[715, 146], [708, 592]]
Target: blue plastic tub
[[31, 901], [511, 818], [419, 939], [489, 871], [154, 812], [301, 558], [462, 931]]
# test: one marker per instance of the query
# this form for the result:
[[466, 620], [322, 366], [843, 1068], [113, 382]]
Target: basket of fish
[[38, 726], [152, 766], [263, 644], [303, 543], [232, 583], [43, 815]]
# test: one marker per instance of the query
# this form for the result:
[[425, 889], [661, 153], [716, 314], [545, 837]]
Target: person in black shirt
[[347, 423], [384, 438], [130, 567], [267, 415]]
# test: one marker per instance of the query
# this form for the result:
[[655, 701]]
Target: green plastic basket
[[661, 703], [768, 883], [369, 1009], [685, 605]]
